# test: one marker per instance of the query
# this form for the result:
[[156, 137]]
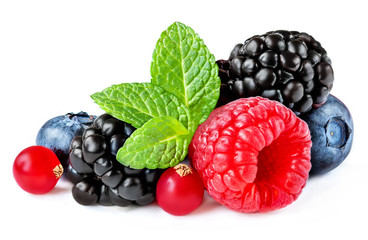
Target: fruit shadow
[[59, 190], [62, 187], [208, 204]]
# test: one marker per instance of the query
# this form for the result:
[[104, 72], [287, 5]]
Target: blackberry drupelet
[[96, 174], [287, 66]]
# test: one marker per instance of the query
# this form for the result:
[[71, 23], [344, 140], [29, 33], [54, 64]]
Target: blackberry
[[287, 66], [96, 174]]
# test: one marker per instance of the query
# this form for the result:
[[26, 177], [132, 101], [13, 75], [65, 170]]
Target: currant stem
[[183, 170], [58, 171]]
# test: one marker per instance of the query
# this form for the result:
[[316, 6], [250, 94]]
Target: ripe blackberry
[[290, 67], [96, 174]]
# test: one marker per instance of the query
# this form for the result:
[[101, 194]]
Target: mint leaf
[[162, 142], [137, 103], [183, 65]]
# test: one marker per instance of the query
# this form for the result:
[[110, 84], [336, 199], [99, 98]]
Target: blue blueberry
[[332, 131], [58, 132]]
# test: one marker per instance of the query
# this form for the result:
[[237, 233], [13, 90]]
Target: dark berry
[[238, 89], [104, 199], [235, 51], [112, 178], [236, 66], [290, 61], [273, 94], [320, 94], [93, 147], [116, 142], [314, 57], [94, 168], [89, 131], [76, 142], [254, 47], [250, 86], [324, 73], [275, 42], [103, 165], [112, 126], [131, 171], [298, 47], [101, 119], [293, 91], [86, 192], [74, 176], [287, 66], [249, 66], [116, 199], [286, 35], [128, 129], [265, 78], [146, 199], [77, 162], [152, 175], [269, 59], [306, 72], [131, 189], [304, 105]]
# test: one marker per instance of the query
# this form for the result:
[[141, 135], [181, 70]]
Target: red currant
[[179, 190], [37, 169]]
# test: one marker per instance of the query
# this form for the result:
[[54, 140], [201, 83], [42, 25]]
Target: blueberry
[[58, 132], [332, 131]]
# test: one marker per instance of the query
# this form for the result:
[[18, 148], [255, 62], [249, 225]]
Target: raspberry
[[253, 155]]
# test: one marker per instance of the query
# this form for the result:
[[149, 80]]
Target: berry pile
[[251, 155], [290, 67], [98, 176]]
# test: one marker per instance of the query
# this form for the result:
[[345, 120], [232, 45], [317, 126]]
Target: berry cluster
[[290, 67], [98, 176], [251, 155]]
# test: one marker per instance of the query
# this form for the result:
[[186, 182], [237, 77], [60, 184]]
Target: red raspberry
[[252, 154]]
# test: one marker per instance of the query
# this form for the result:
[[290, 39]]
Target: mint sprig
[[183, 65], [183, 91], [137, 103], [160, 143]]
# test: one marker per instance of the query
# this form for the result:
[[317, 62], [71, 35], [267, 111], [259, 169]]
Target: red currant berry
[[179, 190], [37, 169]]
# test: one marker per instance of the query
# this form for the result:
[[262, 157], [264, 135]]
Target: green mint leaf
[[137, 103], [183, 65], [162, 142]]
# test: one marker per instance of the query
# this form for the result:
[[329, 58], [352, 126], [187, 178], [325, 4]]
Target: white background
[[54, 54]]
